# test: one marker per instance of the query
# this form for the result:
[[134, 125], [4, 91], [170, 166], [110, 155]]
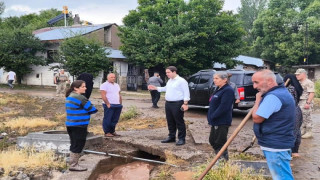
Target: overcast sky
[[95, 11]]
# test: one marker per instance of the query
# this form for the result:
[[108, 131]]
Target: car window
[[236, 78], [193, 80], [204, 79], [247, 80]]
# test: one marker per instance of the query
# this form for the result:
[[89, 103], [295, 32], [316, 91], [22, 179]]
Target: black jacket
[[220, 106]]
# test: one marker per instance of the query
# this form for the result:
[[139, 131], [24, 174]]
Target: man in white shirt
[[10, 78], [177, 97]]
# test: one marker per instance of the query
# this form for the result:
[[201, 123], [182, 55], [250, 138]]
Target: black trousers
[[218, 136], [78, 137], [155, 96], [175, 119]]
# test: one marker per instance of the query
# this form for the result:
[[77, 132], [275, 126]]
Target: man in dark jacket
[[220, 112], [273, 116]]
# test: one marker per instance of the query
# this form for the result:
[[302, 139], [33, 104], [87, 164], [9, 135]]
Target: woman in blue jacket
[[220, 112], [78, 109]]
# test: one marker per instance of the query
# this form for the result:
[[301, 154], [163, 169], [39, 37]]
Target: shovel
[[251, 144]]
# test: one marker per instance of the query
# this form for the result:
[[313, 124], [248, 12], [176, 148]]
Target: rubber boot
[[74, 166]]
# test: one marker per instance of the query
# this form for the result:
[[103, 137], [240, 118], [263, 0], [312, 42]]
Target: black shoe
[[168, 140], [180, 142], [155, 106]]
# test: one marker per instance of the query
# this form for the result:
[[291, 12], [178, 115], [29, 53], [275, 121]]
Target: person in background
[[235, 89], [11, 77], [78, 109], [220, 112], [306, 102], [112, 104], [177, 97], [88, 78], [61, 79], [155, 80], [296, 90], [273, 115]]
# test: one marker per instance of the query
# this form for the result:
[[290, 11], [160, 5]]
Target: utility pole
[[65, 12], [306, 46]]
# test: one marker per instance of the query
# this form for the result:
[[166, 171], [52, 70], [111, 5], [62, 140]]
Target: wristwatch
[[307, 103]]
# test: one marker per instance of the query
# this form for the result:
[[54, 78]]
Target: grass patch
[[23, 125], [30, 160], [132, 112], [95, 129], [228, 171], [245, 157], [137, 124], [60, 117], [8, 114], [165, 173]]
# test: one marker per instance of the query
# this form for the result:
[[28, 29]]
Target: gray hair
[[222, 74], [268, 74]]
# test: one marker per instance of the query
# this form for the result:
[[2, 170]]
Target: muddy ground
[[197, 149]]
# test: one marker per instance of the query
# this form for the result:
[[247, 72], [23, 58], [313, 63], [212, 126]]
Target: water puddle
[[125, 168], [135, 171]]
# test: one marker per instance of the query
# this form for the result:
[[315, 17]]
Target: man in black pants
[[177, 97], [155, 95]]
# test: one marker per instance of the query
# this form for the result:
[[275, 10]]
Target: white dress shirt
[[176, 89]]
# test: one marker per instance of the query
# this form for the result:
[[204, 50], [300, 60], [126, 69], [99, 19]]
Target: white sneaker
[[307, 135]]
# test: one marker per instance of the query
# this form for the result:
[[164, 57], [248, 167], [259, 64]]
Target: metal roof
[[67, 32], [250, 60], [115, 54]]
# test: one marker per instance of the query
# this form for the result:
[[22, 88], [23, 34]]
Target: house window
[[50, 55]]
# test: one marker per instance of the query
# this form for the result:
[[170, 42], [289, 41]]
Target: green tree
[[17, 52], [281, 33], [188, 35], [80, 54], [33, 21], [2, 7], [248, 13]]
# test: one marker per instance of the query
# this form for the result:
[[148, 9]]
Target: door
[[203, 89], [192, 83]]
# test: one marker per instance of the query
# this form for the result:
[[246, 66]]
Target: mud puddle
[[135, 171]]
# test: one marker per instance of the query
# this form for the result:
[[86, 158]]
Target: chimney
[[76, 19]]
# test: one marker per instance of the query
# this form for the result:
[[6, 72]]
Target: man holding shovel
[[273, 116]]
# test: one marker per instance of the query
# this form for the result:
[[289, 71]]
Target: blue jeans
[[111, 117], [279, 164]]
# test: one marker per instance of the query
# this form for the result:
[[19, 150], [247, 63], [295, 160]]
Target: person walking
[[11, 77], [155, 80], [295, 90], [112, 104], [88, 78], [78, 109], [306, 102], [220, 112], [61, 80], [273, 116], [177, 97]]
